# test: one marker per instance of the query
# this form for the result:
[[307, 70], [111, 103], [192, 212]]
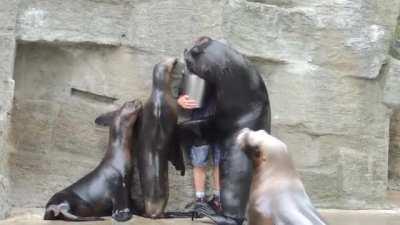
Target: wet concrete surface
[[332, 216]]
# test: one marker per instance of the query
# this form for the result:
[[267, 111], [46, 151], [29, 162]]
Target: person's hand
[[185, 102]]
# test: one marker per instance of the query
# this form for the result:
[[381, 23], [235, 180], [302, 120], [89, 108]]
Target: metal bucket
[[194, 87]]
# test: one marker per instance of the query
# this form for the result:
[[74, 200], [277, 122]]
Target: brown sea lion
[[277, 195], [106, 190], [158, 141]]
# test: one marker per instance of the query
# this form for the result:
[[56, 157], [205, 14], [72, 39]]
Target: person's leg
[[216, 183], [199, 155], [215, 202], [216, 152], [199, 180]]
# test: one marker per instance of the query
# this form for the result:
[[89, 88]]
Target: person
[[200, 150]]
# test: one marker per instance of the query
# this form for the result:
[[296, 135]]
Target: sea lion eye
[[257, 154], [195, 51]]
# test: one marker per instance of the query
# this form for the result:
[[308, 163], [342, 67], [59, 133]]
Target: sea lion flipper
[[171, 215], [175, 155], [217, 219], [54, 212], [121, 200], [68, 216], [122, 215], [105, 119]]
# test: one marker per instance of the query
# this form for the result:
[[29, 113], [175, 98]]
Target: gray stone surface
[[395, 49], [8, 12], [394, 156], [73, 21], [6, 94], [336, 130], [392, 84], [349, 37], [392, 99], [155, 26], [170, 26], [313, 55]]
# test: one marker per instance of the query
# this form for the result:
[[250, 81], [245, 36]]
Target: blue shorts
[[199, 155]]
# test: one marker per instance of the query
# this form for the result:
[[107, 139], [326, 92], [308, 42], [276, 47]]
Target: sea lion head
[[130, 111], [123, 117], [162, 72], [251, 142], [208, 59], [260, 147]]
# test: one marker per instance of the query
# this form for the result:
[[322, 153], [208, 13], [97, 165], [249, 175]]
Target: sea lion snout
[[249, 139], [259, 145], [162, 72], [242, 137], [128, 109], [250, 144], [170, 63]]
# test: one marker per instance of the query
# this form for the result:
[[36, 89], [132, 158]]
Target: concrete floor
[[332, 216]]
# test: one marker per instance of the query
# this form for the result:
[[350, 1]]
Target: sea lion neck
[[161, 77], [161, 85], [120, 139], [161, 89], [276, 163]]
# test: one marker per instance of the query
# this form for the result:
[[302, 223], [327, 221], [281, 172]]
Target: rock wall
[[324, 65], [394, 156], [392, 98], [333, 84], [8, 12]]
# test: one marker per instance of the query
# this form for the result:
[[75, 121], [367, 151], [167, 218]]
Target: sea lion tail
[[171, 215], [69, 216], [61, 211]]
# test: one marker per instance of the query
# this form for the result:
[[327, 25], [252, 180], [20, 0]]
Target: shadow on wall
[[394, 152], [59, 91]]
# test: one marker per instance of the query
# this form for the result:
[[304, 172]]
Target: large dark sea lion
[[241, 101], [277, 195], [106, 190], [158, 141]]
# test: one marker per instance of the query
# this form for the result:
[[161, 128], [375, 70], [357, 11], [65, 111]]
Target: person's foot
[[198, 203], [215, 204], [192, 205]]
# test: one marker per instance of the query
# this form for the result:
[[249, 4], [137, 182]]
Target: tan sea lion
[[277, 195]]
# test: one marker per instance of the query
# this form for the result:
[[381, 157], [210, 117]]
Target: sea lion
[[158, 141], [106, 190], [241, 101], [277, 195]]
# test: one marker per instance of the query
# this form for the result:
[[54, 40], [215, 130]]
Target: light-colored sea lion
[[277, 195]]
